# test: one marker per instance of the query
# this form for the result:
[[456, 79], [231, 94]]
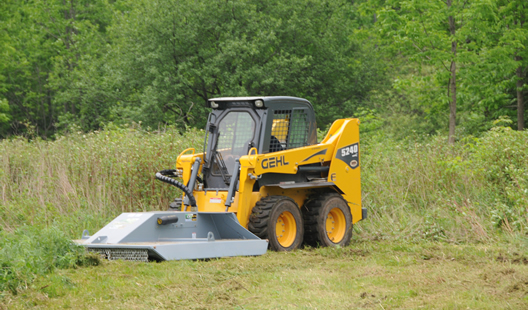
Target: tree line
[[92, 62]]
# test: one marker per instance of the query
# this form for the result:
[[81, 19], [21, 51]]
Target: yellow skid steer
[[262, 181]]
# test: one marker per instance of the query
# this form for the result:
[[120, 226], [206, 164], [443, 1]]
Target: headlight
[[259, 103], [214, 105]]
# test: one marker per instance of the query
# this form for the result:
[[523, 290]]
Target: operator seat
[[275, 145]]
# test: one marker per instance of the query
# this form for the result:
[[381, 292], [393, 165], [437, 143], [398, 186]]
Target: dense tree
[[43, 44], [498, 75], [80, 27], [90, 62], [471, 56], [429, 33], [514, 21], [170, 56]]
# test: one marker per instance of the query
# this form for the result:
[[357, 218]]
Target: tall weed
[[426, 189], [416, 188], [84, 180]]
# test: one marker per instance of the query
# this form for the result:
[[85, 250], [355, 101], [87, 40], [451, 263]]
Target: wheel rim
[[286, 229], [335, 225]]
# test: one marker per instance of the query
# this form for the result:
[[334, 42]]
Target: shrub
[[31, 251], [502, 156]]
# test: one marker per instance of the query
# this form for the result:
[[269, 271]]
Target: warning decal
[[190, 217], [215, 200]]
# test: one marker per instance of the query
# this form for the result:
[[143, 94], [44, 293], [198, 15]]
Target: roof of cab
[[268, 100]]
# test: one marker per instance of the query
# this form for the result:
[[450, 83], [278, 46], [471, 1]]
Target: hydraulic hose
[[179, 185]]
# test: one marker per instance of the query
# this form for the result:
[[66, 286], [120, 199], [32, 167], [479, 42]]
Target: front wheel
[[278, 219], [176, 205], [328, 221]]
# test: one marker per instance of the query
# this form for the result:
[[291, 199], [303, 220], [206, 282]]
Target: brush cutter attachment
[[170, 235]]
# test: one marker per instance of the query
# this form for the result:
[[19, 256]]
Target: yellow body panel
[[213, 201], [346, 178], [185, 162], [298, 195], [288, 161], [342, 135]]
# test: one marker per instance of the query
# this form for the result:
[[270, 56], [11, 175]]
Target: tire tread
[[311, 213]]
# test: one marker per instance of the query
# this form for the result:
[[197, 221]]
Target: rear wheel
[[328, 221], [278, 219]]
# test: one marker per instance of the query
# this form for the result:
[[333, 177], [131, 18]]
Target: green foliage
[[300, 48], [502, 156], [420, 188], [91, 62], [498, 44], [45, 45], [370, 120], [87, 63], [370, 123], [429, 34], [29, 252], [4, 109], [405, 112]]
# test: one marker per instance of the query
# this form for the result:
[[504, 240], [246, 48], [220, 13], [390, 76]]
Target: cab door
[[236, 133]]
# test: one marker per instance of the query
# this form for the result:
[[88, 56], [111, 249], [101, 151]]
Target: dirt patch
[[514, 258], [340, 253], [365, 295], [370, 300], [520, 261], [519, 286], [356, 252], [435, 256], [496, 276], [508, 271]]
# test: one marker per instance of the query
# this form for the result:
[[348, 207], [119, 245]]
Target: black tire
[[327, 209], [176, 205], [278, 210]]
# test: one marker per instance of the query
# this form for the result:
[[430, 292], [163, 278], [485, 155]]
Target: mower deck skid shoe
[[192, 235]]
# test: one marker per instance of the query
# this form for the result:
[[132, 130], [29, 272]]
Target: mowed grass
[[365, 275]]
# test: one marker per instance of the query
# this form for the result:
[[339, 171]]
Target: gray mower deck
[[196, 235]]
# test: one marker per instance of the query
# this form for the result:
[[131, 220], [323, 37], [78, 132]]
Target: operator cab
[[237, 124]]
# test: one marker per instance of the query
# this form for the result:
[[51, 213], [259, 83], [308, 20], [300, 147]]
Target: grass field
[[365, 275], [447, 228]]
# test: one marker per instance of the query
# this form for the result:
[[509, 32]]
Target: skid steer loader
[[262, 181]]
